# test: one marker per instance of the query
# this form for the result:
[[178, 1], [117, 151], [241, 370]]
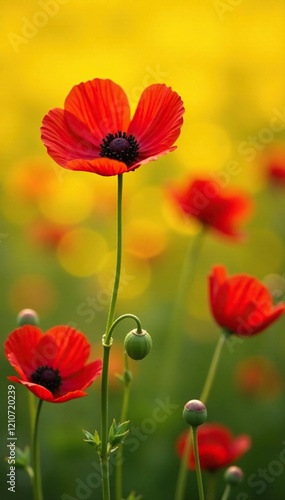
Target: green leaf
[[117, 434], [92, 439]]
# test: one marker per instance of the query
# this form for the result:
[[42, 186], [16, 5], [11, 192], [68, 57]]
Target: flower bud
[[27, 317], [195, 412], [233, 475], [138, 344]]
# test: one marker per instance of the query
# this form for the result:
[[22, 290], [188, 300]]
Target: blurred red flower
[[240, 303], [273, 161], [257, 376], [215, 207], [217, 446], [94, 131], [52, 365]]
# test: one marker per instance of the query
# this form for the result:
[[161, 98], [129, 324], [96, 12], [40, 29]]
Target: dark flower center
[[47, 377], [121, 147]]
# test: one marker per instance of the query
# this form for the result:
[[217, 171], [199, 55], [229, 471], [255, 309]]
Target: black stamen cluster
[[121, 147], [47, 377]]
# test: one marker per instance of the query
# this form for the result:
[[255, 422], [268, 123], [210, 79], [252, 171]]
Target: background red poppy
[[218, 208], [241, 304], [217, 446]]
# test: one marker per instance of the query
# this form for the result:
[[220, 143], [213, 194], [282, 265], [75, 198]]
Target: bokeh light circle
[[81, 251], [71, 200], [135, 275]]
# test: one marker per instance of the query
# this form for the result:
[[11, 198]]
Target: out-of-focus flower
[[217, 446], [241, 304], [52, 365], [46, 234], [274, 166], [215, 207], [94, 131], [257, 376]]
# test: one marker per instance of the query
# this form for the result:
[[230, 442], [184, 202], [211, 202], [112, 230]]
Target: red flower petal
[[212, 456], [216, 279], [157, 120], [100, 166], [239, 446], [83, 378], [62, 145], [101, 105], [44, 394], [241, 304], [215, 207], [216, 433], [20, 348], [38, 390], [65, 349], [217, 446]]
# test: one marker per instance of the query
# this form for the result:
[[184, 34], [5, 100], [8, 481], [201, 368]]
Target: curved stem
[[107, 342], [121, 318], [197, 464], [37, 483], [181, 481], [124, 411], [227, 492]]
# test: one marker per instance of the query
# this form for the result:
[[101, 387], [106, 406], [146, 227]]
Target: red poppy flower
[[217, 447], [276, 173], [52, 365], [94, 131], [212, 205], [257, 376], [240, 303], [273, 161]]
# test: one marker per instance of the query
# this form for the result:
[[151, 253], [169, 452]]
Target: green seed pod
[[27, 317], [233, 475], [138, 344], [195, 412]]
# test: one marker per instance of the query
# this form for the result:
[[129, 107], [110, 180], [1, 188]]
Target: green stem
[[124, 411], [213, 368], [197, 464], [211, 486], [181, 481], [226, 494], [113, 303], [121, 318], [107, 342], [32, 411], [37, 483], [186, 279]]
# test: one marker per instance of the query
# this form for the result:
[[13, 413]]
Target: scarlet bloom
[[94, 131], [215, 207], [240, 303], [274, 165], [217, 447], [276, 173], [52, 365]]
